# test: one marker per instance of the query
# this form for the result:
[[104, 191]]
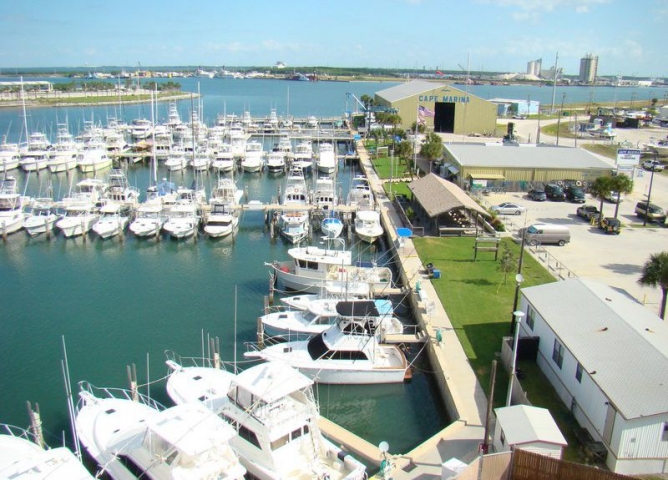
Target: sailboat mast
[[25, 116], [154, 169]]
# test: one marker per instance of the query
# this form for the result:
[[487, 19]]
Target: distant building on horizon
[[534, 67], [588, 68]]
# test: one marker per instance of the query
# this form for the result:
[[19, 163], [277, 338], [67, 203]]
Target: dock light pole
[[561, 113], [649, 192], [518, 319]]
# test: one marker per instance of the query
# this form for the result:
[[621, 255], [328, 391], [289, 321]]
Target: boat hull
[[11, 224], [76, 226], [40, 224]]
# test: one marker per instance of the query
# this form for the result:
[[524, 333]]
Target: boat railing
[[19, 432], [190, 362], [118, 393]]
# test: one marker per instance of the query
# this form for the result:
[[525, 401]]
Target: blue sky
[[491, 35]]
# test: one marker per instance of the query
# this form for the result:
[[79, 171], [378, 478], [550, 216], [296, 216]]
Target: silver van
[[546, 233]]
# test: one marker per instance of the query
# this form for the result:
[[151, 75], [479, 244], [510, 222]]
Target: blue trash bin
[[437, 273]]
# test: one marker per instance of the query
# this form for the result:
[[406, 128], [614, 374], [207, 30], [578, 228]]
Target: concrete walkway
[[463, 396]]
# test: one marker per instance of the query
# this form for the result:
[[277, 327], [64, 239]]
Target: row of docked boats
[[259, 423], [108, 207]]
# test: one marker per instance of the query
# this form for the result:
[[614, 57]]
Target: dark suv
[[554, 192], [537, 194], [654, 213], [575, 194]]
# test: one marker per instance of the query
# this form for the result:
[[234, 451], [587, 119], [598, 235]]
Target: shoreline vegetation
[[89, 99]]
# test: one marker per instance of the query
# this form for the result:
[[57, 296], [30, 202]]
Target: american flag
[[425, 112]]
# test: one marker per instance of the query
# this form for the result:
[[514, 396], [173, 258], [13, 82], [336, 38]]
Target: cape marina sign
[[445, 98]]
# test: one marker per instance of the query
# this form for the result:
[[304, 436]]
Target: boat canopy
[[364, 308]]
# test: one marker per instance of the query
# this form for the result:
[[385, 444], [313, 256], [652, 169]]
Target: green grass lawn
[[396, 188], [385, 165], [480, 307]]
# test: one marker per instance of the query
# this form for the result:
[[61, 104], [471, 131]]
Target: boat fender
[[285, 269]]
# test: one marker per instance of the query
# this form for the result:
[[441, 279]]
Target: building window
[[558, 353], [531, 313], [578, 373], [664, 435]]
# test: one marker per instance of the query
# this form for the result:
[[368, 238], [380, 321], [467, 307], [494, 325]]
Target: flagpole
[[417, 119]]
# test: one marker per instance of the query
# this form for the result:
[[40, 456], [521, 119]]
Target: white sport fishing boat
[[9, 155], [331, 291], [114, 217], [11, 206], [326, 158], [367, 225], [132, 439], [276, 414], [323, 313], [253, 160], [183, 218], [349, 352], [331, 226], [303, 155], [311, 267], [22, 457], [42, 216], [223, 216]]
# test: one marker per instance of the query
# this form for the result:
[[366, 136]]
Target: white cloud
[[547, 6]]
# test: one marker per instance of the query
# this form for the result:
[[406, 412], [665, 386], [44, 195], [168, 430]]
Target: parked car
[[610, 225], [544, 233], [554, 192], [575, 194], [537, 194], [652, 165], [588, 212], [613, 196], [507, 208], [653, 212]]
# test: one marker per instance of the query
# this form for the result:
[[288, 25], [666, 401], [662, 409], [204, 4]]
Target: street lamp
[[561, 113], [649, 192], [518, 319]]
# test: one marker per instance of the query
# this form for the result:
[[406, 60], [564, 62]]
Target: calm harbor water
[[117, 303]]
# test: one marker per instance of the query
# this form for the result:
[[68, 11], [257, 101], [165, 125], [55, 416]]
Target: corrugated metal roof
[[622, 345], [497, 155], [523, 424], [408, 89], [437, 195]]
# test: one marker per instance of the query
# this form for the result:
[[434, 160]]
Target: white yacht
[[22, 457], [11, 206], [42, 216], [223, 217], [274, 409], [35, 155], [177, 159], [311, 267], [326, 158], [140, 129], [330, 291], [253, 160], [323, 313], [294, 221], [360, 194], [223, 160], [275, 162], [237, 138], [9, 155], [80, 207], [303, 155], [114, 217], [65, 151], [131, 437], [93, 156], [349, 352], [119, 190], [183, 218], [367, 225], [201, 160], [324, 194], [151, 215]]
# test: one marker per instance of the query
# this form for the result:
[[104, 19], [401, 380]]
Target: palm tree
[[620, 184], [599, 189], [655, 273]]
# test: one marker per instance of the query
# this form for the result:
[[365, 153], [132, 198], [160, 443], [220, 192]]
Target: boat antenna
[[70, 403], [154, 169]]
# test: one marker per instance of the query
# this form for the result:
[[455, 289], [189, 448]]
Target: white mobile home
[[607, 357]]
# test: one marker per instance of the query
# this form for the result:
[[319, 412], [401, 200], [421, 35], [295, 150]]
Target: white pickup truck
[[652, 165]]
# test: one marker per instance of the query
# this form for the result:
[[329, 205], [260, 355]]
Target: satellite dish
[[383, 447]]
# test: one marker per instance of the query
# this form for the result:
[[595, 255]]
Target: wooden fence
[[533, 466]]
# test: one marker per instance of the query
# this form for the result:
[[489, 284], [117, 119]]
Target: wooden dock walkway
[[350, 442]]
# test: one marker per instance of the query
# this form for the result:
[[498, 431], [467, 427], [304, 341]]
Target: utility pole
[[554, 81]]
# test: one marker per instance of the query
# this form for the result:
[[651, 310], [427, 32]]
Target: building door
[[444, 117]]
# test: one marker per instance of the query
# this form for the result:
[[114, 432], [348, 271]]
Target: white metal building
[[509, 107], [529, 428], [607, 357]]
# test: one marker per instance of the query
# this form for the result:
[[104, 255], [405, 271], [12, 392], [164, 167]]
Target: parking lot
[[615, 260]]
